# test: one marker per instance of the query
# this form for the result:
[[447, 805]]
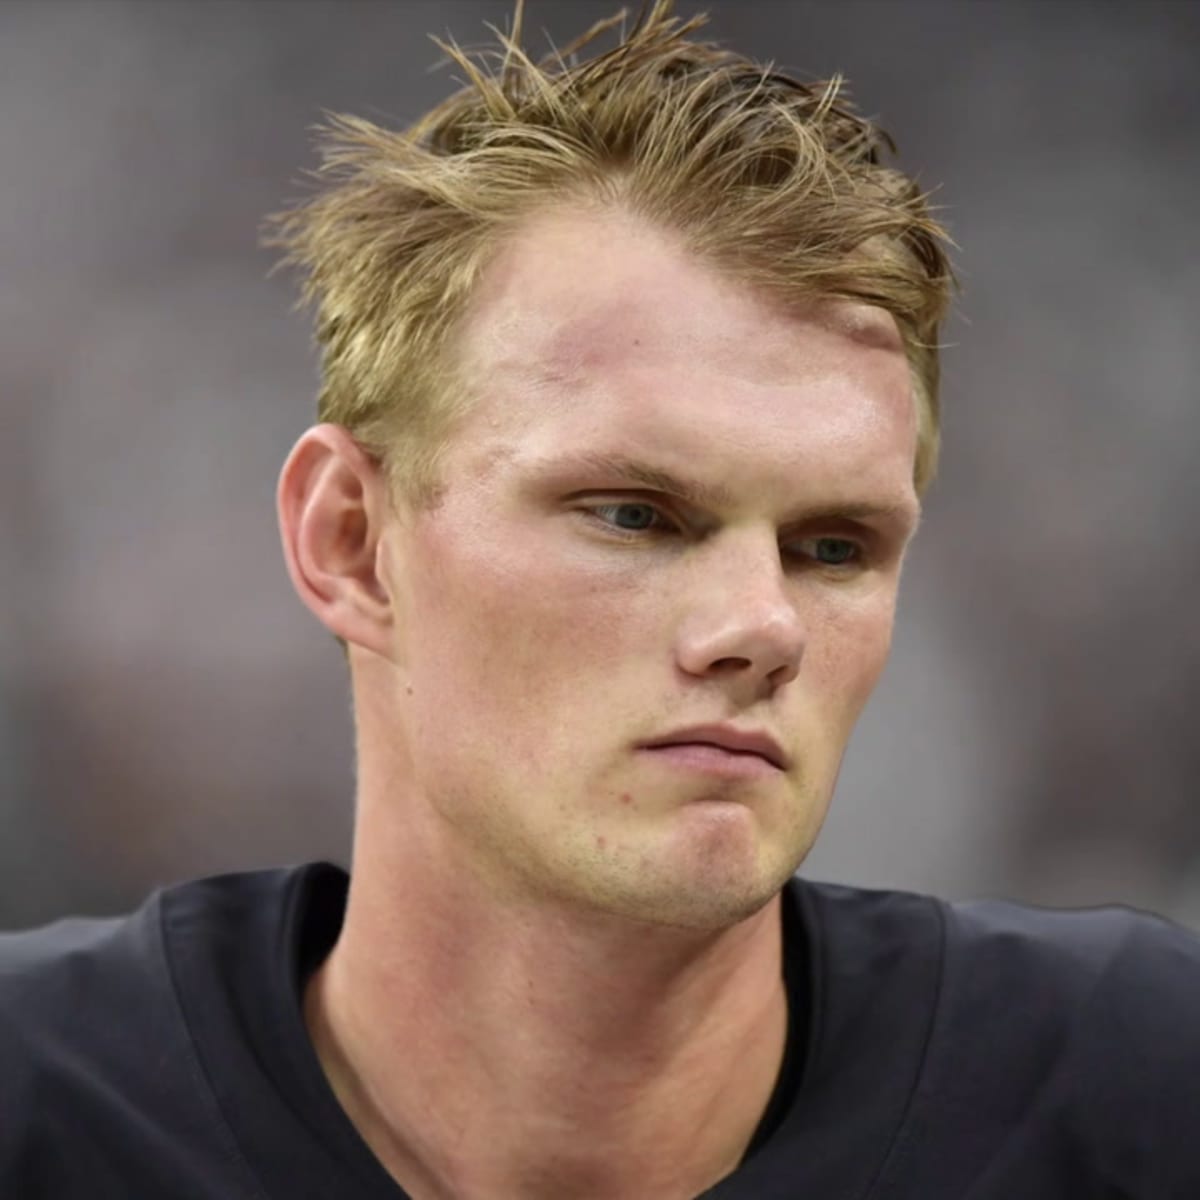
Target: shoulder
[[54, 979], [1103, 985], [66, 982], [1122, 983], [81, 1001], [1061, 1046], [990, 951], [1026, 990], [103, 1085], [1111, 958], [1082, 1021]]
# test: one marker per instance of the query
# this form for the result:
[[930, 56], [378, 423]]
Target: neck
[[496, 1047]]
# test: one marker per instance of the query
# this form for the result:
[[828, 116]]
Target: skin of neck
[[489, 1042]]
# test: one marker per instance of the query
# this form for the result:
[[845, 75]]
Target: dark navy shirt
[[971, 1051]]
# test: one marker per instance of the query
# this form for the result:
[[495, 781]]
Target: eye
[[831, 551], [630, 516]]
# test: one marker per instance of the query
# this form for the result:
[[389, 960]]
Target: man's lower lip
[[713, 760]]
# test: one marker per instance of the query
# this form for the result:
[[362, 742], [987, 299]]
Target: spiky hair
[[776, 181]]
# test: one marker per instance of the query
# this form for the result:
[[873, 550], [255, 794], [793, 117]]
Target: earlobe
[[332, 511]]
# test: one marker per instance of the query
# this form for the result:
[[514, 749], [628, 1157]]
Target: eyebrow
[[708, 495], [702, 495]]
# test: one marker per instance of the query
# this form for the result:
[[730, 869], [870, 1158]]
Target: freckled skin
[[536, 648]]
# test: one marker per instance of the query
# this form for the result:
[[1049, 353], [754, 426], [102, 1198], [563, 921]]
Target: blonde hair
[[778, 182]]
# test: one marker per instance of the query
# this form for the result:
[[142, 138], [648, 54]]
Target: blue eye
[[834, 552], [632, 517]]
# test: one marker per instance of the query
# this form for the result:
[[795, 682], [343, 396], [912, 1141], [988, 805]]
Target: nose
[[742, 623]]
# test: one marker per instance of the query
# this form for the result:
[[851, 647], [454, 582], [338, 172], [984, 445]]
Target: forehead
[[590, 325], [570, 287]]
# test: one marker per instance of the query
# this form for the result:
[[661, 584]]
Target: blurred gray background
[[168, 708]]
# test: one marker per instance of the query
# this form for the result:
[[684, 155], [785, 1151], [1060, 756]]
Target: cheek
[[522, 641], [849, 651]]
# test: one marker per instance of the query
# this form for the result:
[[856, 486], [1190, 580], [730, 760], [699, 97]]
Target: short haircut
[[774, 181]]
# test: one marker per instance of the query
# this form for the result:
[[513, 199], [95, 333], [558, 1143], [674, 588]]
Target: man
[[629, 399]]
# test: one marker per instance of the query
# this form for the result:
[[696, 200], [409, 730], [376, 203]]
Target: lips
[[726, 737]]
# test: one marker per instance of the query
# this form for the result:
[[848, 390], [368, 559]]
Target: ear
[[333, 505]]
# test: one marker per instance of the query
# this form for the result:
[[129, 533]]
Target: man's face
[[563, 605]]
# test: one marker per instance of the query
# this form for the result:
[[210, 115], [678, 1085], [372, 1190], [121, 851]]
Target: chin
[[723, 866], [703, 892], [707, 908], [708, 867]]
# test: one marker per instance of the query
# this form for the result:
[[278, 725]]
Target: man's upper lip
[[729, 737]]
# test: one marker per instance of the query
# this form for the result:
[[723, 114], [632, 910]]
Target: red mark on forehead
[[626, 798]]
